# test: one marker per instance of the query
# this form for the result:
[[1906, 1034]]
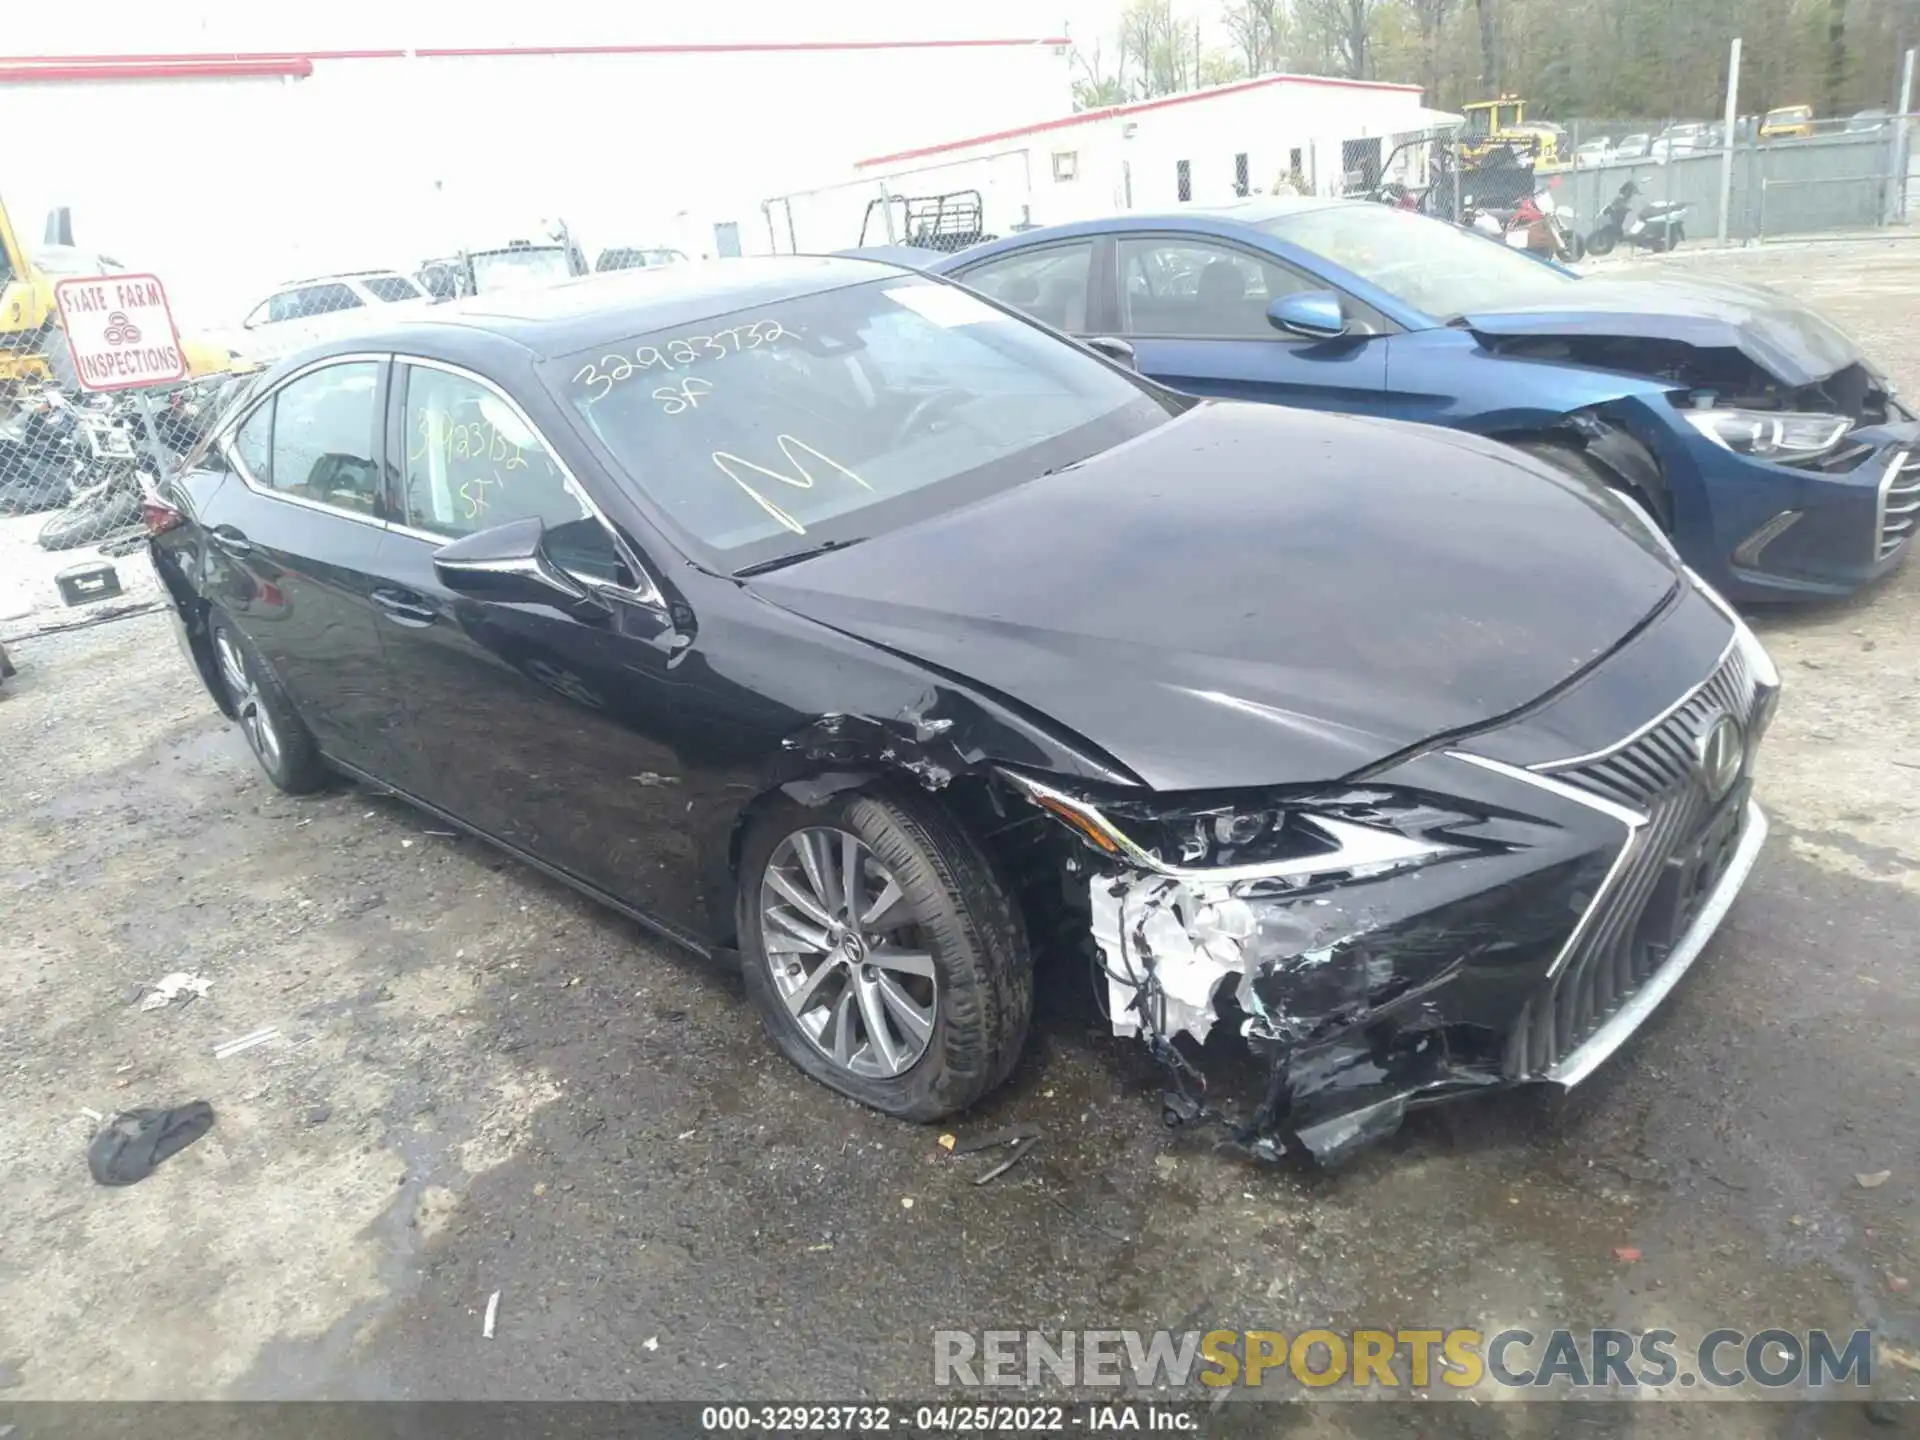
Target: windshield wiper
[[760, 567]]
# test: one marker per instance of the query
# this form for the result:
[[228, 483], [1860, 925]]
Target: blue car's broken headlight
[[1768, 434]]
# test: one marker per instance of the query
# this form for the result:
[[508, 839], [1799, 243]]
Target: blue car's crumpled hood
[[1783, 337]]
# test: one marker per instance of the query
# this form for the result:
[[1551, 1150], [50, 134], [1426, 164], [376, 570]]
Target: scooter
[[1658, 226]]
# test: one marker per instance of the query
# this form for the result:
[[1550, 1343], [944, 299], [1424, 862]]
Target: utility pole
[[1732, 120], [1898, 161]]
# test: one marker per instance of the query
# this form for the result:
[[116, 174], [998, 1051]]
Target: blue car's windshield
[[1434, 267]]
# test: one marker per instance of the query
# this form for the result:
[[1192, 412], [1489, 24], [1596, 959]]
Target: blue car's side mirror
[[1316, 314]]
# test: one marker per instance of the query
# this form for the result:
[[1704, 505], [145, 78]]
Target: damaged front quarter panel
[[935, 737], [1371, 944]]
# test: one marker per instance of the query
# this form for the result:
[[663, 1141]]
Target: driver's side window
[[1199, 289], [473, 462]]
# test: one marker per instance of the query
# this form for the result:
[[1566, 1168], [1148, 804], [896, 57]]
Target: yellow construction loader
[[1493, 123], [27, 314]]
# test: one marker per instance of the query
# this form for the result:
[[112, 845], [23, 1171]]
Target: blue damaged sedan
[[1771, 450]]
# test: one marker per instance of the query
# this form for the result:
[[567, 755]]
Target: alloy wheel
[[255, 723], [847, 953]]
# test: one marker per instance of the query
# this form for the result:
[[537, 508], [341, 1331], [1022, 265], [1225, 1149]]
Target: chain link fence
[[1590, 189], [76, 470]]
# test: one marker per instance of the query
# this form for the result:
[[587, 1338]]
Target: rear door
[[539, 727], [295, 551], [1195, 310]]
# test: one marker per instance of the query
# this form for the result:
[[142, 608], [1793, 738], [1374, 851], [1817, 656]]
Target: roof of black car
[[559, 319]]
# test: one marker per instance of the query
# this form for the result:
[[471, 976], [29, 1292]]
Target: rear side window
[[391, 288], [312, 300], [1050, 284], [253, 444], [322, 438]]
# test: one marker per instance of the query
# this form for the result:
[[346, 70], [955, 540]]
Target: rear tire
[[942, 972], [274, 731]]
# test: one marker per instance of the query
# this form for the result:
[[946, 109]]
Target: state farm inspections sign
[[121, 332]]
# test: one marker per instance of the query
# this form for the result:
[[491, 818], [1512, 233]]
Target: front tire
[[274, 731], [1602, 241], [1575, 461], [909, 987]]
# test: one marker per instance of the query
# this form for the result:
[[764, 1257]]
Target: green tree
[[1258, 28], [1093, 87], [1344, 31]]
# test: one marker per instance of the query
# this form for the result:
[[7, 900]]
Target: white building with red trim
[[1201, 147], [229, 145]]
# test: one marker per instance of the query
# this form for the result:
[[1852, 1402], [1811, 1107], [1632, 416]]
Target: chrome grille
[[1899, 506], [1653, 890]]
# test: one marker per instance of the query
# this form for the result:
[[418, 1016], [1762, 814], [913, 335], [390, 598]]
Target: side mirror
[[509, 563], [1114, 348], [1315, 314]]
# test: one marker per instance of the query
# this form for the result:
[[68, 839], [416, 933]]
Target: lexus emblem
[[1721, 751]]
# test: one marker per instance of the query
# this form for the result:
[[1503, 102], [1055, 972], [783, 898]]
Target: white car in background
[[304, 311]]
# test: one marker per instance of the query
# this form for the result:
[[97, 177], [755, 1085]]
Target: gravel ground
[[482, 1083]]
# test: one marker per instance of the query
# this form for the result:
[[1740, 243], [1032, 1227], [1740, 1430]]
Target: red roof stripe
[[263, 57], [34, 72], [1086, 117]]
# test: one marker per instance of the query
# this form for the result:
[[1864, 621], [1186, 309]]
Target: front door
[[544, 729], [296, 535], [1195, 311]]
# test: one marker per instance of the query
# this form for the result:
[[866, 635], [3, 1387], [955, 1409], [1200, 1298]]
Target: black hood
[[1253, 595], [1783, 337]]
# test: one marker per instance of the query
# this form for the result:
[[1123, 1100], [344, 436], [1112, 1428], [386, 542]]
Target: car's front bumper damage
[[1529, 921], [1352, 1011]]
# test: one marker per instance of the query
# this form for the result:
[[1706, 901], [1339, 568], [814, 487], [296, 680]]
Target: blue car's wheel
[[1578, 462]]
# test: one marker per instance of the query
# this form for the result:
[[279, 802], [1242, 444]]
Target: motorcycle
[[99, 511], [108, 489], [1539, 225], [38, 450], [1658, 225]]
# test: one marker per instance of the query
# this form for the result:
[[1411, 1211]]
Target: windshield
[[827, 418], [528, 265], [1437, 268], [1792, 112]]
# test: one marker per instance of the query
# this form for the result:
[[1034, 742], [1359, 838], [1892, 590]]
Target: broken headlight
[[1352, 833], [1770, 435]]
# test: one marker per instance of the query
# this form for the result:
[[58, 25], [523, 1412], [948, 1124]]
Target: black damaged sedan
[[829, 617]]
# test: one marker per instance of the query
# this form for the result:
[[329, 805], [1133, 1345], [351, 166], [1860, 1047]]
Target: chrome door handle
[[403, 610]]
